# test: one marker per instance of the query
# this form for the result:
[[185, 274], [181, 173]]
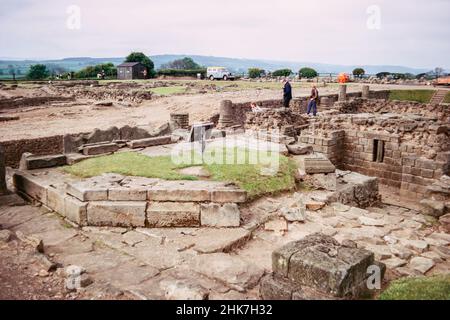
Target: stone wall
[[298, 105], [408, 150], [116, 200], [39, 146]]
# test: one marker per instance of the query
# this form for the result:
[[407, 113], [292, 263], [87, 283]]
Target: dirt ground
[[82, 115]]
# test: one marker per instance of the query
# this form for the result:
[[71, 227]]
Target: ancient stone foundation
[[115, 200]]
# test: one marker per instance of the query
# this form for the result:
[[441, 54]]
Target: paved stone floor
[[200, 263]]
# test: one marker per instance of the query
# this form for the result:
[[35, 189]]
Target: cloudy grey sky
[[414, 33]]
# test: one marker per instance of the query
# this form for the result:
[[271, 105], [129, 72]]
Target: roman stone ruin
[[206, 239]]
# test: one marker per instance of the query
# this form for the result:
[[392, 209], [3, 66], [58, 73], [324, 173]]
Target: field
[[422, 96]]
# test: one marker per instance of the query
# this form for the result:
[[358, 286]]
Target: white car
[[219, 73]]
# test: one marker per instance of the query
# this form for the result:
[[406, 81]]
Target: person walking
[[313, 101], [287, 93]]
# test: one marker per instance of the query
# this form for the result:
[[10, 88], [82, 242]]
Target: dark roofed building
[[131, 70]]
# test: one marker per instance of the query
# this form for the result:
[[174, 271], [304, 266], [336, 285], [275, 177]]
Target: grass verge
[[447, 98], [423, 96], [423, 288]]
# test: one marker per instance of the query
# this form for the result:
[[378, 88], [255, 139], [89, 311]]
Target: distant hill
[[235, 64]]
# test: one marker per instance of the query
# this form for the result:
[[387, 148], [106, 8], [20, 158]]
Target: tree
[[438, 72], [92, 71], [307, 73], [182, 64], [282, 73], [144, 60], [38, 72], [255, 73], [359, 72], [381, 75]]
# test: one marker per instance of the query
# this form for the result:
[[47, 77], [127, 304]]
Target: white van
[[218, 73]]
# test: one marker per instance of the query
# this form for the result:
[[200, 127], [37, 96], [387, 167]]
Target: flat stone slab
[[32, 162], [100, 149], [311, 164], [149, 142], [320, 262], [233, 271], [223, 240]]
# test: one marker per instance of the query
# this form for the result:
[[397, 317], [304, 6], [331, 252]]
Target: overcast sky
[[413, 33]]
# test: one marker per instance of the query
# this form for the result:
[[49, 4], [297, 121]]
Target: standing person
[[313, 101], [287, 93]]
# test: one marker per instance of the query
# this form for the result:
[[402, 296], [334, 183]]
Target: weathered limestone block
[[314, 164], [176, 191], [320, 262], [3, 188], [216, 215], [173, 214], [433, 208], [116, 213], [225, 196], [75, 210], [30, 186], [277, 288], [85, 191], [127, 194], [100, 149], [31, 162], [299, 149], [149, 142], [56, 199]]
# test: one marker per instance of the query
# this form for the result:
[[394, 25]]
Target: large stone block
[[29, 185], [127, 194], [56, 199], [227, 196], [173, 214], [177, 193], [87, 192], [319, 262], [149, 142], [116, 213], [277, 288], [216, 215], [100, 148], [314, 164], [31, 162], [75, 210]]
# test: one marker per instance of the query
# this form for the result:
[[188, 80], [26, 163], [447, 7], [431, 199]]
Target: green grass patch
[[423, 288], [130, 164], [447, 98], [247, 169], [167, 91], [423, 96]]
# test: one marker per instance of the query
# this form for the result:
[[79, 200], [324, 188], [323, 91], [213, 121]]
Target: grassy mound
[[423, 96], [423, 288], [248, 176]]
